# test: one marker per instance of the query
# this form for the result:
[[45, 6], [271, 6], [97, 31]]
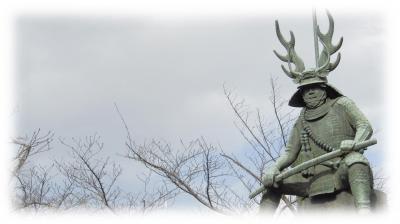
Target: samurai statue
[[328, 120]]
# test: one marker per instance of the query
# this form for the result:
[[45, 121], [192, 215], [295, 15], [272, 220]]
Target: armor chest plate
[[331, 129]]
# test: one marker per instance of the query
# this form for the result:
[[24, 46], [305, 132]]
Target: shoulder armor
[[344, 101]]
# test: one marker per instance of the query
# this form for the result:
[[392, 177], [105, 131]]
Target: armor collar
[[316, 113]]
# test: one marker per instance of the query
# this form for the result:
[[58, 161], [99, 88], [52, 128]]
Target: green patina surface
[[329, 120]]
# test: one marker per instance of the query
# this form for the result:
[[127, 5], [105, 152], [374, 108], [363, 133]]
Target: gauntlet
[[268, 179]]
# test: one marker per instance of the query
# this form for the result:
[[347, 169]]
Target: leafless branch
[[95, 176], [34, 188], [30, 146], [195, 169], [265, 141]]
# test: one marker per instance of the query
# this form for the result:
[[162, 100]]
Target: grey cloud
[[167, 76]]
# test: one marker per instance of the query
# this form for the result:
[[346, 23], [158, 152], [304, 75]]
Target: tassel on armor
[[306, 154]]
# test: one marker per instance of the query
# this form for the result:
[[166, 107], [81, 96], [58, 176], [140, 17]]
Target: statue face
[[313, 95]]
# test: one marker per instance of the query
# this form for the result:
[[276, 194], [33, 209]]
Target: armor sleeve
[[357, 119], [355, 157], [292, 148]]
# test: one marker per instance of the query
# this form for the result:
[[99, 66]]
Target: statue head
[[314, 95], [306, 77]]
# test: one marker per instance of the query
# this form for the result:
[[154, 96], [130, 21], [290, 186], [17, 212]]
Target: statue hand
[[347, 145], [269, 178]]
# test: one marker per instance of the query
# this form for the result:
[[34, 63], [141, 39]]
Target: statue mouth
[[311, 97]]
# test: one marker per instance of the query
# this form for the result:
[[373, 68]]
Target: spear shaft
[[313, 162], [315, 25]]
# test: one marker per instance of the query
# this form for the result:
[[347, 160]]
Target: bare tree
[[195, 169], [95, 177], [266, 138], [33, 184], [379, 179], [151, 197], [28, 147], [217, 180], [202, 171], [83, 178], [34, 188]]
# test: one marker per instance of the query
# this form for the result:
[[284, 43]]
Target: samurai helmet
[[318, 75]]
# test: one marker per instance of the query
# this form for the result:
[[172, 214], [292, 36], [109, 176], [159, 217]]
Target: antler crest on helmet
[[324, 65], [329, 49], [291, 56]]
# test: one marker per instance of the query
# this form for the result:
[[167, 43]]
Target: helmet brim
[[297, 99]]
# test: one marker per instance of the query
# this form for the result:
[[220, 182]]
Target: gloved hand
[[269, 177], [347, 145]]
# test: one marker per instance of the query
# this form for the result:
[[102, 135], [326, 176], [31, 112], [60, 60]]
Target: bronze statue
[[329, 123]]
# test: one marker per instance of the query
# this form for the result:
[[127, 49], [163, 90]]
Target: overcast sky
[[166, 74]]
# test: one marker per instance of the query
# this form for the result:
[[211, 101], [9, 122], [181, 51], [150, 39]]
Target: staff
[[314, 162]]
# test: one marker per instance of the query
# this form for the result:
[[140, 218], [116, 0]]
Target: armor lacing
[[314, 138]]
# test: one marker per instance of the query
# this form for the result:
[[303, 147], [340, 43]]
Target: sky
[[166, 74]]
